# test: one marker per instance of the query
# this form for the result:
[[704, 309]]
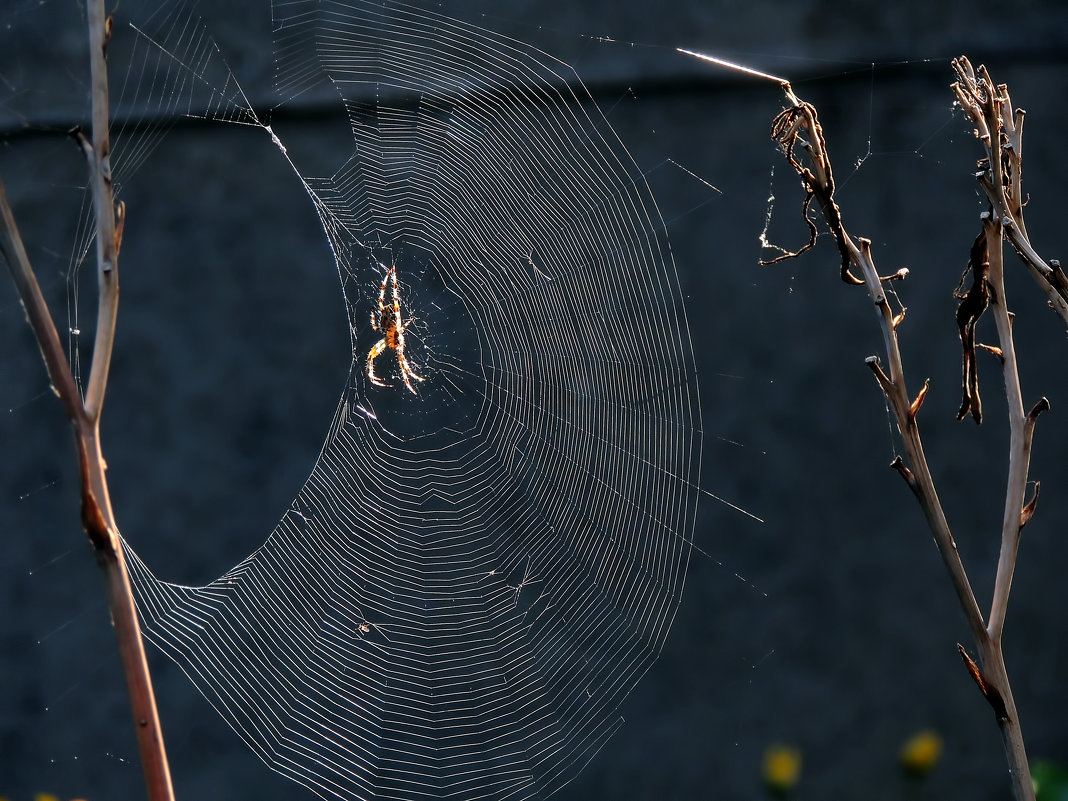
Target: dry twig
[[1000, 129], [98, 518], [798, 127]]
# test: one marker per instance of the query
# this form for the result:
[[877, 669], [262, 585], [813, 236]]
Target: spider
[[387, 321]]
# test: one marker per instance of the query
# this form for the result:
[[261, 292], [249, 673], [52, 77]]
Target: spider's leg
[[391, 278], [396, 297], [407, 372], [371, 356], [375, 323], [406, 369], [385, 282]]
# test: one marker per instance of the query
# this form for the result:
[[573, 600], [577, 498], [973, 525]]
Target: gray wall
[[841, 636]]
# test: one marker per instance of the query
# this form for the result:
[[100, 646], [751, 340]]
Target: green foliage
[[1051, 780]]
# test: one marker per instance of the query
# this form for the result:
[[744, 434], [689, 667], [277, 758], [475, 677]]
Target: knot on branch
[[95, 524]]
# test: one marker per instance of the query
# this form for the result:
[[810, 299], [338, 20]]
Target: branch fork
[[1000, 130], [98, 518]]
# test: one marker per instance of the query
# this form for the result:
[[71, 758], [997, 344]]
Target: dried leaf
[[972, 305]]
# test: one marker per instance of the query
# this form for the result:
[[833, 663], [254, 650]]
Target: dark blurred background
[[831, 625]]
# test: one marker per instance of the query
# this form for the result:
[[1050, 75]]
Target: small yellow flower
[[920, 752], [45, 797], [782, 767]]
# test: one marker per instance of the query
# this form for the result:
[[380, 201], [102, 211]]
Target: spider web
[[475, 574]]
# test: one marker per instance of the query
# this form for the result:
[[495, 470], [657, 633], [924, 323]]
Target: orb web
[[476, 572]]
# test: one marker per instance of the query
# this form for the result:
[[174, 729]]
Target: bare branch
[[37, 314], [97, 516], [1020, 434], [96, 503], [989, 109], [818, 181], [98, 157], [1000, 130]]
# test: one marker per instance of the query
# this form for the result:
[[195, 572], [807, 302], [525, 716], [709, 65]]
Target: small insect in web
[[387, 321]]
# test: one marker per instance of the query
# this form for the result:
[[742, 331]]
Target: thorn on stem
[[1038, 408], [993, 349], [899, 465], [87, 147], [916, 404], [973, 669], [78, 135], [120, 221], [884, 380], [1029, 508], [989, 691]]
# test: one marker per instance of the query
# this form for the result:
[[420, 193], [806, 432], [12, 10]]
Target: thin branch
[[1019, 450], [818, 182], [98, 518], [96, 502], [797, 126], [99, 523], [98, 157], [36, 309]]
